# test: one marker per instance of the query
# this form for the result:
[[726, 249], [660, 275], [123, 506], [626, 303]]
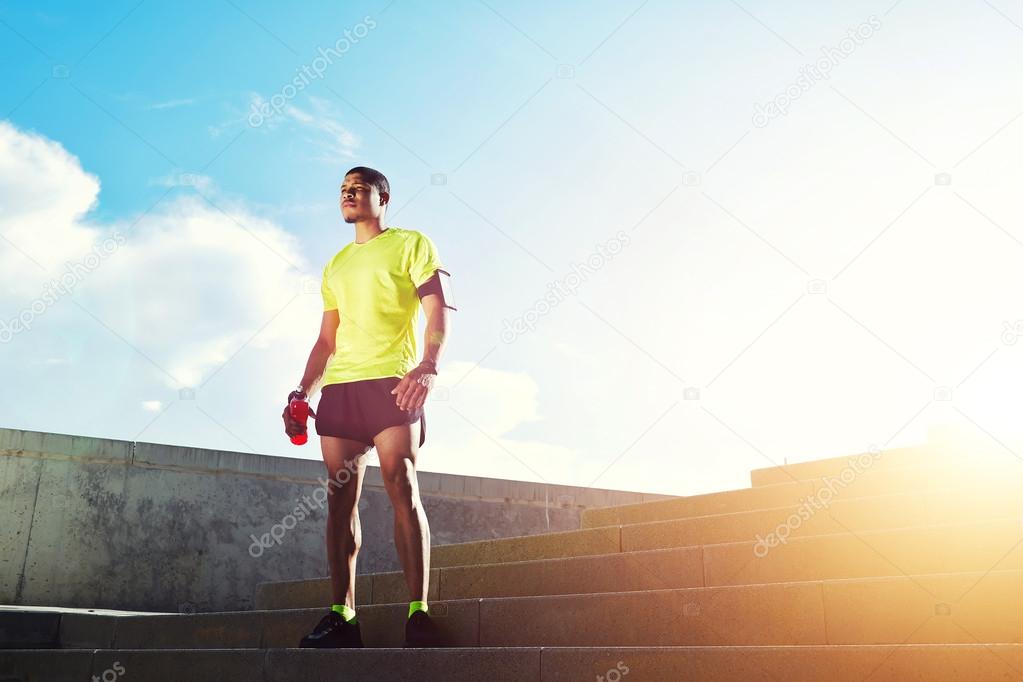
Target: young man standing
[[373, 395]]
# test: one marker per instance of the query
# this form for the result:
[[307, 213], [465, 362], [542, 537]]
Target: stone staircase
[[901, 565]]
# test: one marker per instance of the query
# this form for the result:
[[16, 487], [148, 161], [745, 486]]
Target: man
[[373, 395]]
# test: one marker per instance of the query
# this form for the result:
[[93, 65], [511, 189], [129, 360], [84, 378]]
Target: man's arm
[[322, 350], [437, 297], [413, 388], [437, 323]]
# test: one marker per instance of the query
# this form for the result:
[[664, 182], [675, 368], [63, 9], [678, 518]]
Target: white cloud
[[478, 407], [202, 183], [44, 194], [203, 280], [321, 123], [193, 287], [52, 361], [493, 400], [190, 286], [324, 119], [172, 104]]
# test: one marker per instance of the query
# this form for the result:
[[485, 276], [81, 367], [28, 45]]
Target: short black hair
[[375, 178]]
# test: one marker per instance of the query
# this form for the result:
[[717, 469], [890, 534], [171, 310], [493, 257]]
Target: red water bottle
[[299, 410]]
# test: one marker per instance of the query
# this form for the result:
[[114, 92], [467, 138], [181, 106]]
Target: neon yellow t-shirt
[[373, 287]]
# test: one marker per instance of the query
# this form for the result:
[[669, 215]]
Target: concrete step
[[963, 547], [272, 665], [856, 483], [657, 569], [895, 458], [981, 546], [866, 584], [976, 451], [681, 557], [724, 502], [940, 549], [587, 541], [297, 594], [919, 609], [922, 609], [896, 663], [822, 515], [390, 586]]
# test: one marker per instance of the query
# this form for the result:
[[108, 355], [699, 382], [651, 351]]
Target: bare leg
[[346, 468], [397, 448]]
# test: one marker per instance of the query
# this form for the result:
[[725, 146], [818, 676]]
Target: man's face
[[359, 199]]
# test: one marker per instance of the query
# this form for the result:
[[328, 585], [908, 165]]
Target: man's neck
[[367, 229]]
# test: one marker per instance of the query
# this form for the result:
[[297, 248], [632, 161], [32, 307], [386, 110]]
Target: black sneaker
[[333, 631], [421, 631]]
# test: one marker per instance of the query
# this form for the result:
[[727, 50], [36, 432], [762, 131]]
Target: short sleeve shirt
[[373, 288]]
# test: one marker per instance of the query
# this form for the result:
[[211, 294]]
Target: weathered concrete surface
[[841, 516], [952, 548], [916, 586], [635, 571], [885, 663], [705, 504], [91, 522], [616, 572], [73, 665], [951, 608], [590, 541], [888, 663], [668, 554], [296, 594]]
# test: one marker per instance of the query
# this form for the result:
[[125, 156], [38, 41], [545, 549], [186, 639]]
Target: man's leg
[[345, 468], [397, 448]]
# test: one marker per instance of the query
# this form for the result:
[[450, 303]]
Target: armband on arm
[[440, 284]]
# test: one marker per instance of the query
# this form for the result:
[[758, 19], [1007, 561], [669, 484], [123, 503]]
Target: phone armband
[[440, 284]]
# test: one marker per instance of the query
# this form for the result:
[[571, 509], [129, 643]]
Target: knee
[[400, 483]]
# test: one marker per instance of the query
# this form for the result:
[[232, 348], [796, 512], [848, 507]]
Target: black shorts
[[361, 409]]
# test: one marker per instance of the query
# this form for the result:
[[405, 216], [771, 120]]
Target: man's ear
[[385, 199]]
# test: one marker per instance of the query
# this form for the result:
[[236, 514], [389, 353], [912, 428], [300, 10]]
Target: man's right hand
[[292, 426]]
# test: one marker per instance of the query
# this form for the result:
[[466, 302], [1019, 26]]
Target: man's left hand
[[414, 387]]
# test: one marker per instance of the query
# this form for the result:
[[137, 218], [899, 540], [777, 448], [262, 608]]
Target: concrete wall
[[96, 523]]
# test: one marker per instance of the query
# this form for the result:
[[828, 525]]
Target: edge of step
[[889, 480], [873, 610], [880, 663]]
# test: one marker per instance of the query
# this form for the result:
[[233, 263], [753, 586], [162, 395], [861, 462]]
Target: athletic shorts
[[361, 409]]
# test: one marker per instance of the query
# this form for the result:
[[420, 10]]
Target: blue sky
[[821, 232]]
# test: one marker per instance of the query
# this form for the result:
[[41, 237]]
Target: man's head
[[365, 193]]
